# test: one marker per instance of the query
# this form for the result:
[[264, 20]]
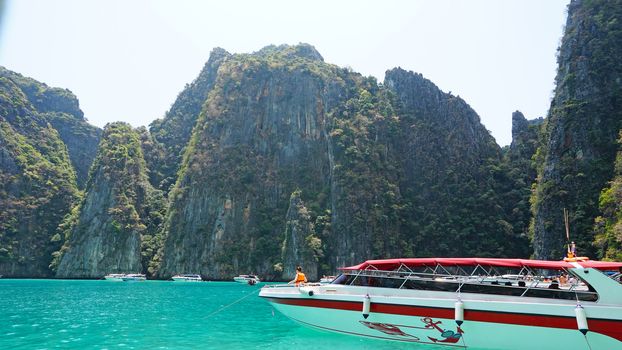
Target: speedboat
[[327, 279], [134, 277], [187, 278], [248, 279], [481, 303], [116, 277]]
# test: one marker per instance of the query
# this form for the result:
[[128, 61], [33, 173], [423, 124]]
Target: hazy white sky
[[128, 60]]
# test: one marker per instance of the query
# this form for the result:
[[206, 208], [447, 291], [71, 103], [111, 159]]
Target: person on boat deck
[[300, 277], [554, 284], [563, 280]]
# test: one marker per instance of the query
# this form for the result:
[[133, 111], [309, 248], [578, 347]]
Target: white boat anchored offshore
[[116, 277], [327, 279], [248, 279], [134, 277], [481, 303], [187, 278]]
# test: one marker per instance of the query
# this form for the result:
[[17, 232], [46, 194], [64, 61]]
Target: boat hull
[[246, 280], [186, 279], [114, 279], [487, 325]]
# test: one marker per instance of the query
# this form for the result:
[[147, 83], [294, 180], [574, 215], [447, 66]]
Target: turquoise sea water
[[68, 314]]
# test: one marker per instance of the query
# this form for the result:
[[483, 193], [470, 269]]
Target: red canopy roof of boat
[[390, 264]]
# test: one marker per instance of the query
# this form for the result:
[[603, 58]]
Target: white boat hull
[[423, 318], [176, 279], [114, 279], [245, 280]]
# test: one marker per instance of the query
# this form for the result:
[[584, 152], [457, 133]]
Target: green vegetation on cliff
[[259, 137], [608, 226], [579, 147], [37, 185], [277, 158], [60, 108], [174, 130], [114, 229], [399, 169], [451, 174]]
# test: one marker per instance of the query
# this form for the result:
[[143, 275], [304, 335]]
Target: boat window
[[343, 279], [509, 285]]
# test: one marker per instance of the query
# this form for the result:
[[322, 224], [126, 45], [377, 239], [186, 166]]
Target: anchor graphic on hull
[[448, 335]]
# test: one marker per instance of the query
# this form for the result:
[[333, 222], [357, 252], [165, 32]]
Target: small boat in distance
[[187, 278], [116, 277], [327, 279], [248, 279], [134, 277]]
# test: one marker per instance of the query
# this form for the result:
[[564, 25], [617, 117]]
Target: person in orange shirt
[[300, 277]]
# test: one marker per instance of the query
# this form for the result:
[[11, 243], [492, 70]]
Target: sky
[[128, 60]]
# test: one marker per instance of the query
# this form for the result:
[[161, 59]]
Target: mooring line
[[588, 343], [235, 302]]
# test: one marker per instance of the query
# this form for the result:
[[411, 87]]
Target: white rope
[[235, 302], [588, 343]]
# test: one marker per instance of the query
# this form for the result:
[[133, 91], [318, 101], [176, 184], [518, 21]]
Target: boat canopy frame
[[390, 264], [437, 272]]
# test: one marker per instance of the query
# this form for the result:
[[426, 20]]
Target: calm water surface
[[67, 314]]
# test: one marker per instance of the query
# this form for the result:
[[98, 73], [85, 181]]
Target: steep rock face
[[301, 247], [367, 209], [262, 134], [175, 129], [61, 109], [106, 232], [608, 226], [37, 185], [525, 135], [583, 123], [81, 139], [449, 162], [382, 172], [519, 175]]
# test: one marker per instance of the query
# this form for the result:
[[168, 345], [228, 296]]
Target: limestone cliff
[[108, 230], [37, 184], [381, 170], [261, 134], [450, 174], [61, 109], [518, 177], [301, 246], [174, 130], [577, 157], [608, 226]]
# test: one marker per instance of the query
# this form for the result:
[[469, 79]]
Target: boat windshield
[[523, 282]]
